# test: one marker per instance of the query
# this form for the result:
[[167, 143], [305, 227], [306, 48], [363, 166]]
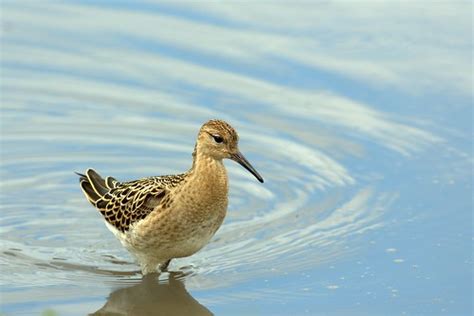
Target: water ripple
[[134, 110]]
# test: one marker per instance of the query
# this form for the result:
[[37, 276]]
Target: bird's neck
[[208, 177], [208, 170]]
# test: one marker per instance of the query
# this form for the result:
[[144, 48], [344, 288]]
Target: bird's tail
[[94, 186]]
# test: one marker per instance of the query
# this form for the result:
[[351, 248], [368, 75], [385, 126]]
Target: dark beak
[[244, 163]]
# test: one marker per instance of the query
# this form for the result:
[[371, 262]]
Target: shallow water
[[364, 143]]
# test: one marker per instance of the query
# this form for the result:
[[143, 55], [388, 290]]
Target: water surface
[[358, 116]]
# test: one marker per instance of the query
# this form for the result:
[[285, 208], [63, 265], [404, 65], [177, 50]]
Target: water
[[359, 117]]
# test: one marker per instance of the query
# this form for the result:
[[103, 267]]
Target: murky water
[[364, 143]]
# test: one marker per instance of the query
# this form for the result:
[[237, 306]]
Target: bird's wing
[[129, 202], [123, 204]]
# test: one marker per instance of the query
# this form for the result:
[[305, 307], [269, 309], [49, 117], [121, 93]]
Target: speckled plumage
[[161, 218], [126, 203]]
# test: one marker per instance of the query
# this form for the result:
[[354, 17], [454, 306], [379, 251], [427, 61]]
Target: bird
[[160, 218]]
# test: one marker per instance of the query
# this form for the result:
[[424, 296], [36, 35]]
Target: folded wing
[[122, 204]]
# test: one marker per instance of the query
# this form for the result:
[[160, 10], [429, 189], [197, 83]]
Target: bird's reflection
[[151, 297]]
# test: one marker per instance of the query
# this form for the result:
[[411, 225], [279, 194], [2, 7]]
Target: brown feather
[[124, 204]]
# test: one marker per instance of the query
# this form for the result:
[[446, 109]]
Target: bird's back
[[124, 204]]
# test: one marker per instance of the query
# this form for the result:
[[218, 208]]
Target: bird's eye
[[217, 138]]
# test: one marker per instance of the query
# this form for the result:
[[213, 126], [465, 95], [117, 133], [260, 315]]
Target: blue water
[[358, 115]]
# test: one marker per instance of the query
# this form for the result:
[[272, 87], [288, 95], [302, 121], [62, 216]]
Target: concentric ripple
[[310, 210], [134, 111]]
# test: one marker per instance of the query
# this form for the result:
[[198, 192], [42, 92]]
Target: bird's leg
[[164, 266]]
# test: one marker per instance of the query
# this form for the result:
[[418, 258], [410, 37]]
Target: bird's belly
[[190, 245], [194, 236], [182, 238]]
